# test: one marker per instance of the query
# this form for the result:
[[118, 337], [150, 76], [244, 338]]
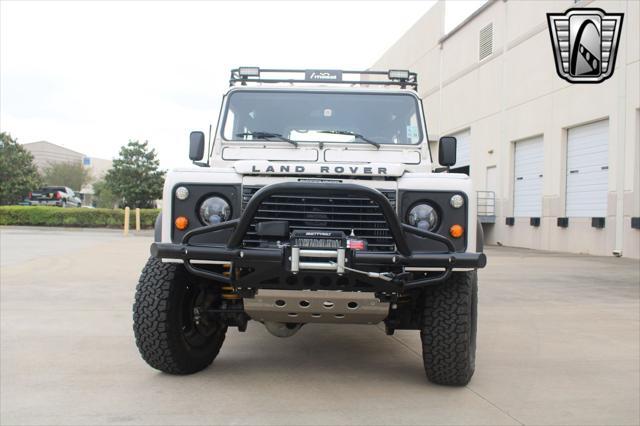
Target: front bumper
[[276, 265]]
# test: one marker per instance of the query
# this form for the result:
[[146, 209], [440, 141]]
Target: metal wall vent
[[486, 42]]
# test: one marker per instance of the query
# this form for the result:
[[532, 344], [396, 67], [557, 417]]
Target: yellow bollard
[[137, 218], [126, 220]]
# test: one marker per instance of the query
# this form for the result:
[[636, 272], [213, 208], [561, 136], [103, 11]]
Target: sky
[[92, 75]]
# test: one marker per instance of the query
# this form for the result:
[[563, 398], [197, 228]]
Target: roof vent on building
[[486, 41]]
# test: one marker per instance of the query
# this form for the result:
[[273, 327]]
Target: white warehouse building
[[562, 159]]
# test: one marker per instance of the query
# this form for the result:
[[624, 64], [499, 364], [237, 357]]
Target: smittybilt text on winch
[[316, 203]]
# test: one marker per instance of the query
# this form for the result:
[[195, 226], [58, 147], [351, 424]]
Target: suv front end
[[298, 218]]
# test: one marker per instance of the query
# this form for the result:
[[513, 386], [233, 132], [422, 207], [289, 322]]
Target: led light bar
[[255, 75], [249, 71], [398, 74]]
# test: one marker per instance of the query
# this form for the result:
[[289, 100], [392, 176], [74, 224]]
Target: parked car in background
[[60, 196]]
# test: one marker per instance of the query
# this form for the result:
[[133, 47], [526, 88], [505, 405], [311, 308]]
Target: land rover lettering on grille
[[336, 170]]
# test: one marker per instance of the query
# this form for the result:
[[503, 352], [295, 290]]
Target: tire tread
[[449, 330], [156, 337]]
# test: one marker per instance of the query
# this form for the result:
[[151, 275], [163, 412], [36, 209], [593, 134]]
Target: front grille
[[340, 213]]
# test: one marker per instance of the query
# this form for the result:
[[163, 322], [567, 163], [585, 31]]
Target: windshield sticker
[[412, 133]]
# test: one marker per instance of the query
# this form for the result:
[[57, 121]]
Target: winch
[[326, 245]]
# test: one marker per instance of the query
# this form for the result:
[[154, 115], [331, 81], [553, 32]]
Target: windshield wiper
[[354, 134], [268, 136]]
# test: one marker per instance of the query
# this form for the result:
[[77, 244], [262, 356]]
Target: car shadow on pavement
[[317, 353]]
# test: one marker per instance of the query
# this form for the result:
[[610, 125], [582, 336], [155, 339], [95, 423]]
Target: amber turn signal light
[[456, 231], [181, 223]]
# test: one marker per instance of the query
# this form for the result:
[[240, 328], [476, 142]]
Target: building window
[[486, 42]]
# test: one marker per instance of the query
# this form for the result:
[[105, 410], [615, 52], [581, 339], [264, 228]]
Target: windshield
[[383, 118]]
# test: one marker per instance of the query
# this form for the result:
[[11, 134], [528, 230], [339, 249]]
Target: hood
[[263, 167]]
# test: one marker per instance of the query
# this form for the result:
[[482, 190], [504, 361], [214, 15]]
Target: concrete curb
[[143, 232]]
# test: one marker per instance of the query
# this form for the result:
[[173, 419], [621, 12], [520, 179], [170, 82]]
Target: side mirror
[[196, 146], [447, 151]]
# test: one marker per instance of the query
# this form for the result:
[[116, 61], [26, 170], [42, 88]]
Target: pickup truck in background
[[60, 196]]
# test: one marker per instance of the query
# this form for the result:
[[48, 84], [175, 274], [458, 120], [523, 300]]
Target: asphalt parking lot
[[558, 343]]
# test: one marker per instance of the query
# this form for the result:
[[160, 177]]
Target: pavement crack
[[419, 355], [495, 406]]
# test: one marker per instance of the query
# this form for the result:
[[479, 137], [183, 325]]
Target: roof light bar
[[249, 71], [398, 75], [255, 75]]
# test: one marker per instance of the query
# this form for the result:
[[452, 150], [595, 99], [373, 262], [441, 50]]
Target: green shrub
[[78, 217]]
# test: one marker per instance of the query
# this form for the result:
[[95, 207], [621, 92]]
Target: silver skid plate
[[322, 306]]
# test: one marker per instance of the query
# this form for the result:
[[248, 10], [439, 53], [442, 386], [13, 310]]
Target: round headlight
[[457, 201], [214, 210], [423, 216], [182, 193]]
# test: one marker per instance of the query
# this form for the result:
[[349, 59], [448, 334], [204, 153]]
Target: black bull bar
[[275, 258]]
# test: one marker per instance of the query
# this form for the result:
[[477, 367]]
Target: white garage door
[[527, 186], [587, 170], [463, 148]]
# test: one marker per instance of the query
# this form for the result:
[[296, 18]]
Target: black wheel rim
[[198, 329]]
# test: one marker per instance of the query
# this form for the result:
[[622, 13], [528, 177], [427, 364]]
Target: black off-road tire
[[449, 329], [159, 317]]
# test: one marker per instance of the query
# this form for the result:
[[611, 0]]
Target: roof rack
[[401, 78]]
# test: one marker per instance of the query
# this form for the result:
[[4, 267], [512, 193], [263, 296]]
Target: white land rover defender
[[316, 203]]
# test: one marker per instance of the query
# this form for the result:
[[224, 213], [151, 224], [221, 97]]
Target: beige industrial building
[[47, 153], [562, 159]]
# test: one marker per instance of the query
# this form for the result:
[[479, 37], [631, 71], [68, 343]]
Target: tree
[[72, 174], [135, 176], [104, 196], [18, 173]]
